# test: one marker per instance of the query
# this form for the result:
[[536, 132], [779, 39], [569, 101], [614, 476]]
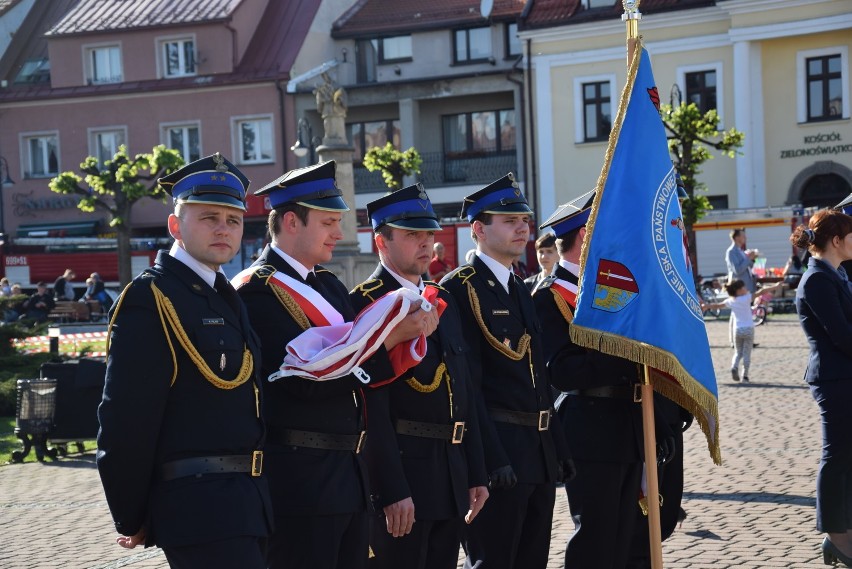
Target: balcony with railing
[[440, 169]]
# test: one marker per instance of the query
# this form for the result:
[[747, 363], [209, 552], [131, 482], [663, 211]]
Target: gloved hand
[[565, 471], [502, 478], [666, 449]]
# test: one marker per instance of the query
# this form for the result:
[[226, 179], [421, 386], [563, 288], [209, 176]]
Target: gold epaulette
[[366, 287], [264, 272], [546, 282], [434, 284], [463, 273], [321, 269]]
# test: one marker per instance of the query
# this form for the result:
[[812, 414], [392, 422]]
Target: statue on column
[[331, 105]]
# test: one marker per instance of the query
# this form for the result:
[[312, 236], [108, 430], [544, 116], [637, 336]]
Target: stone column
[[348, 263]]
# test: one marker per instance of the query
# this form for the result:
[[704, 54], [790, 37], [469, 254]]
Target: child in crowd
[[740, 302]]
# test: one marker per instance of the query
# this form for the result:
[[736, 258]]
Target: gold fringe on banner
[[688, 393]]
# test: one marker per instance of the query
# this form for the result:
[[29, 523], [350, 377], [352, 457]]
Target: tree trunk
[[693, 254], [122, 238]]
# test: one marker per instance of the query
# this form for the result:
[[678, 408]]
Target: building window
[[701, 90], [104, 142], [822, 90], [477, 133], [825, 94], [472, 45], [513, 42], [718, 201], [366, 135], [254, 139], [597, 111], [103, 65], [42, 155], [366, 59], [185, 138], [178, 57], [394, 50], [34, 71]]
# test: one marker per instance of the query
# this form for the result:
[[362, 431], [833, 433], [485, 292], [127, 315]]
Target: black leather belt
[[612, 391], [540, 420], [199, 465], [453, 433], [325, 441]]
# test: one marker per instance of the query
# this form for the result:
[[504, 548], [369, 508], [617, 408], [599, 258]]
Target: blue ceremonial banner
[[637, 299]]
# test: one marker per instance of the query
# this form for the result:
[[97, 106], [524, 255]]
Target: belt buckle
[[361, 437], [257, 463], [458, 432], [544, 420]]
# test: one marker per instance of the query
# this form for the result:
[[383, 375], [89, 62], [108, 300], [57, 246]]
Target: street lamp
[[7, 181], [304, 132]]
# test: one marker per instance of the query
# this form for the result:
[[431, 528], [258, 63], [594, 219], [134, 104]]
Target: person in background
[[824, 304], [427, 471], [740, 302], [545, 250], [96, 292], [62, 287], [525, 450], [14, 310], [739, 260], [180, 445], [5, 287], [439, 266], [38, 306]]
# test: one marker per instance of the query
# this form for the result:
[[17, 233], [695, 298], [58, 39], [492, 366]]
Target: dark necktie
[[313, 282], [228, 293]]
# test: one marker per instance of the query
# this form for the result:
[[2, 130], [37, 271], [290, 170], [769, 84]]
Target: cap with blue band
[[571, 215], [500, 197], [408, 208], [313, 187], [211, 180]]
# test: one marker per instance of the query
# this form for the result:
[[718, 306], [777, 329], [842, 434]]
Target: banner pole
[[655, 537]]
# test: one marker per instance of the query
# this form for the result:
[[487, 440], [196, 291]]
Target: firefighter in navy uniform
[[315, 429], [425, 453], [525, 451], [179, 448], [602, 422]]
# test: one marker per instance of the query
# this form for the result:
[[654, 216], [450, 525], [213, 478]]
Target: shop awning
[[77, 228]]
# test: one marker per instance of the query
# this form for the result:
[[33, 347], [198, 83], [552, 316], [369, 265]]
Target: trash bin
[[34, 414]]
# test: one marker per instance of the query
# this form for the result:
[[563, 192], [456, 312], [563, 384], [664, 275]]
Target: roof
[[6, 5], [376, 18], [114, 15], [268, 57], [552, 13]]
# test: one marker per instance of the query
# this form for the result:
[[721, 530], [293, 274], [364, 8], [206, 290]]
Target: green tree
[[116, 186], [393, 163], [691, 136]]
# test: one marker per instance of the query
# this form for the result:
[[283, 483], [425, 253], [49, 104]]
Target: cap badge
[[220, 163], [423, 195]]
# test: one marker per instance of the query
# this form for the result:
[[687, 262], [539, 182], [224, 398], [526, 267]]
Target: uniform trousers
[[234, 553], [432, 544], [603, 499], [834, 478], [512, 531], [320, 542]]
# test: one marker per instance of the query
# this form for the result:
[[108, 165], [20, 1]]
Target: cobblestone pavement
[[755, 511]]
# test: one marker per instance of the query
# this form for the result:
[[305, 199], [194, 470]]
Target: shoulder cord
[[169, 318], [562, 306], [523, 343], [290, 304], [440, 373]]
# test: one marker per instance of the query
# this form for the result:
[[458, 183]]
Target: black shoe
[[745, 379], [735, 375], [831, 554], [755, 345]]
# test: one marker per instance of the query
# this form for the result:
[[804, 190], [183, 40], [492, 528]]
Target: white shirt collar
[[404, 282], [502, 273], [297, 266], [572, 268], [207, 274]]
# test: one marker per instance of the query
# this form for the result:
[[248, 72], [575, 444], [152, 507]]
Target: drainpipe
[[281, 112], [524, 158], [533, 163], [233, 46]]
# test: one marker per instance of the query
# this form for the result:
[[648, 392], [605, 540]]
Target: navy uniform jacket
[[308, 481], [434, 473], [571, 367], [505, 383], [147, 420], [824, 303]]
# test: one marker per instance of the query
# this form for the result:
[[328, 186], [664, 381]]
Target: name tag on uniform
[[499, 312], [213, 321]]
